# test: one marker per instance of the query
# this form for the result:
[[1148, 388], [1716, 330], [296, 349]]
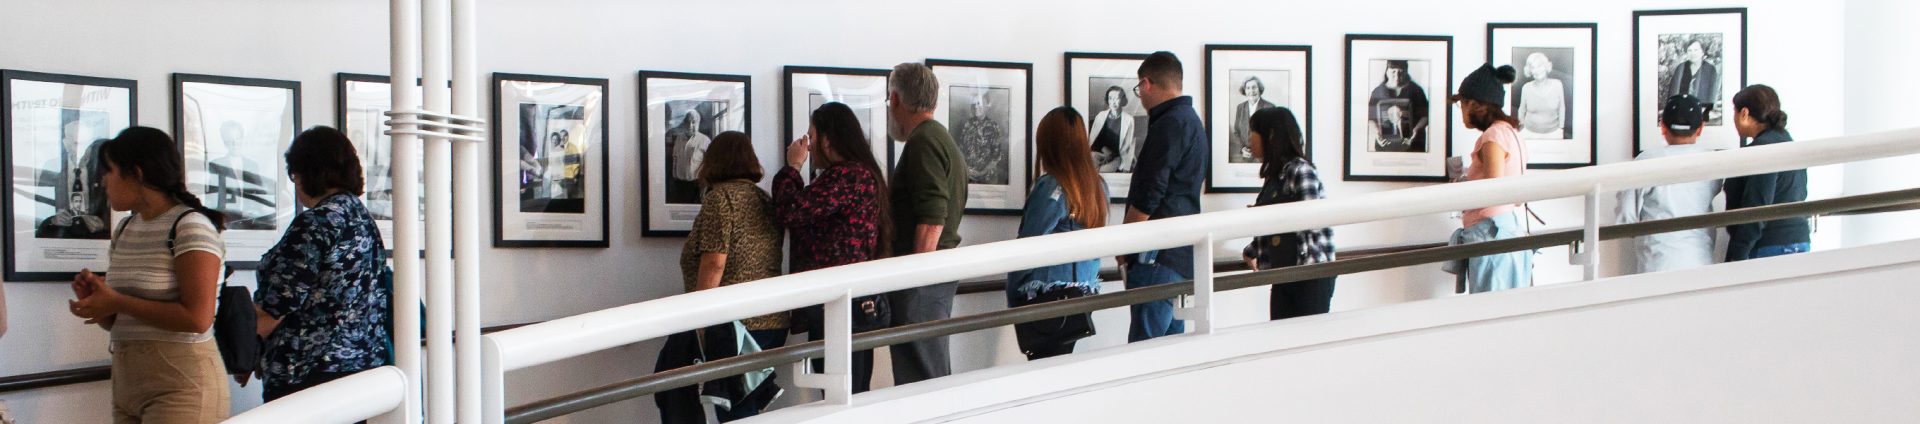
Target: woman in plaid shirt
[[1276, 140]]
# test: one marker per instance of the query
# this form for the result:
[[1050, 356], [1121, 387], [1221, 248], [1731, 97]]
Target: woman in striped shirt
[[158, 302]]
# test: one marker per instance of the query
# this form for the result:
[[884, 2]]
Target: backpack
[[235, 325]]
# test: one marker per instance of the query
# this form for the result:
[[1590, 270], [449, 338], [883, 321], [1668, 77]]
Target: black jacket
[[1762, 190]]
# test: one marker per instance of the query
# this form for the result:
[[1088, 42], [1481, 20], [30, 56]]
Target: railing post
[[493, 393], [1201, 312], [1590, 242], [837, 380]]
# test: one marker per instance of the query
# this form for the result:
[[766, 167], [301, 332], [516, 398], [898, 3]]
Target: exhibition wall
[[1793, 46]]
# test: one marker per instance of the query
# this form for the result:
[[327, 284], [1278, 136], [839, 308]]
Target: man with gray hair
[[928, 195]]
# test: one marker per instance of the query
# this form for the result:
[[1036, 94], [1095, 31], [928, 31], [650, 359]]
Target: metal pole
[[405, 59], [1591, 257], [439, 158], [466, 222]]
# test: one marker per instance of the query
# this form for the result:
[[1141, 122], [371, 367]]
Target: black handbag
[[1051, 332]]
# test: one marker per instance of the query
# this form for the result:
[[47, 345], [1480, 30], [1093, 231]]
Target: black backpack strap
[[174, 232]]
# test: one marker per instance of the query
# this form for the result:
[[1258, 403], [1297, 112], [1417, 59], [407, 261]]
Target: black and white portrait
[[1690, 64], [242, 167], [1397, 108], [691, 125], [553, 148], [1117, 124], [980, 119], [1253, 90], [69, 200], [1542, 97]]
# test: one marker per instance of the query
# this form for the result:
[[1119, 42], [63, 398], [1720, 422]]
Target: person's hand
[[101, 302], [242, 378], [797, 152], [1252, 265], [81, 289], [1121, 261]]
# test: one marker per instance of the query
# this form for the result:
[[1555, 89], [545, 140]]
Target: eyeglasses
[[1136, 89]]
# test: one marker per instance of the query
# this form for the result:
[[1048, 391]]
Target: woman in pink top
[[1498, 153]]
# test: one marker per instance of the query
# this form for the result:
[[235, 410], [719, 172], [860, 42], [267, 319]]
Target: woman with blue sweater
[[1070, 196]]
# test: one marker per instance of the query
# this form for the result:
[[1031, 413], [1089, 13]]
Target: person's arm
[[1742, 239], [3, 310], [1043, 211], [290, 272], [926, 237], [1494, 158], [931, 198], [713, 230], [796, 205], [712, 266], [198, 273]]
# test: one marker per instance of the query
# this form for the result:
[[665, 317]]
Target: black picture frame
[[13, 274], [1446, 136], [606, 210], [1635, 63], [1303, 114], [179, 80], [1066, 94], [788, 128], [1025, 68], [1592, 83], [646, 171]]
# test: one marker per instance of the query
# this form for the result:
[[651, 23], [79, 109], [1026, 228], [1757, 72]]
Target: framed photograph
[[58, 221], [680, 114], [362, 102], [1555, 95], [988, 106], [1242, 80], [1398, 122], [233, 132], [549, 161], [863, 90], [1100, 86], [1702, 52]]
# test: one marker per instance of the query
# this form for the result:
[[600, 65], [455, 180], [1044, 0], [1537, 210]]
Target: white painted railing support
[[1201, 311], [405, 37], [1590, 240], [467, 92], [493, 380], [837, 379]]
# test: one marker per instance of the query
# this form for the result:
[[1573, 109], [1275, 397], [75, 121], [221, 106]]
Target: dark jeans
[[1781, 250], [274, 392], [924, 359], [767, 339], [1049, 352], [1152, 319], [1301, 298]]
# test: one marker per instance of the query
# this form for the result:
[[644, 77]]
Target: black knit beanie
[[1487, 85]]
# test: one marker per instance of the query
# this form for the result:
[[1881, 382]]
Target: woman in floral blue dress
[[324, 298]]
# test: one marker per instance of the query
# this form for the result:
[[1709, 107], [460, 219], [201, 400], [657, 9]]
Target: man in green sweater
[[928, 196]]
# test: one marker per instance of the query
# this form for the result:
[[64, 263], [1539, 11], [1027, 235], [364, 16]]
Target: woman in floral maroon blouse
[[839, 219]]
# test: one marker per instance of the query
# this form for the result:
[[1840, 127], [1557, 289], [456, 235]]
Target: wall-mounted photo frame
[[988, 108], [550, 166], [1100, 86], [1398, 125], [1241, 80], [58, 221], [1555, 97], [1702, 52], [233, 133], [863, 90], [680, 114], [361, 103]]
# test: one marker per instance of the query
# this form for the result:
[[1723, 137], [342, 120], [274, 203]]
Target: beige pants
[[167, 383]]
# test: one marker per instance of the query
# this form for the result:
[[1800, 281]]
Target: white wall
[[1810, 338], [1879, 45], [1792, 49]]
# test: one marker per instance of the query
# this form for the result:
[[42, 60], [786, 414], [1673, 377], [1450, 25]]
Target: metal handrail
[[690, 375]]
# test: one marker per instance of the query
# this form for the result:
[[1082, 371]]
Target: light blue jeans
[[1504, 271]]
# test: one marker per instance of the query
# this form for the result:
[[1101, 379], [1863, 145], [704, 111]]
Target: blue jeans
[[1503, 271], [1781, 250], [1152, 319]]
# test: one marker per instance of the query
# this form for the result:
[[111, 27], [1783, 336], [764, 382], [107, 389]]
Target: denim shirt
[[1167, 177], [1046, 213]]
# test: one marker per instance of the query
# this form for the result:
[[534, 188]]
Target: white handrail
[[361, 396], [595, 331]]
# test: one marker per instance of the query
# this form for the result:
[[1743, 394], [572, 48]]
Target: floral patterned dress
[[327, 283]]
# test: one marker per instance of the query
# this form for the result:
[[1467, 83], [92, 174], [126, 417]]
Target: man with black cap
[[1680, 123]]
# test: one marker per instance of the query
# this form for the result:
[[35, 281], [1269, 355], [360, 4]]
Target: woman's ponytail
[[186, 197]]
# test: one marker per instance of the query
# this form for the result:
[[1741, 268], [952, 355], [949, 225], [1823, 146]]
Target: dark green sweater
[[929, 187]]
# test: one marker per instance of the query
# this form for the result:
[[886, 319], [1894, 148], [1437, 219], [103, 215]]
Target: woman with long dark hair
[[158, 302], [1275, 138], [1757, 116], [840, 218], [1070, 196], [1499, 153]]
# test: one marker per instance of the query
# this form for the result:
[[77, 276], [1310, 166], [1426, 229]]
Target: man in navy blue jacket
[[1166, 183]]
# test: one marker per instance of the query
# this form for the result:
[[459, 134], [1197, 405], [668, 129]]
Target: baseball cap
[[1684, 113]]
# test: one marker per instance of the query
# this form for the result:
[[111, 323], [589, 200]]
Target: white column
[[405, 38], [439, 157], [466, 221], [1201, 312], [1880, 58]]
